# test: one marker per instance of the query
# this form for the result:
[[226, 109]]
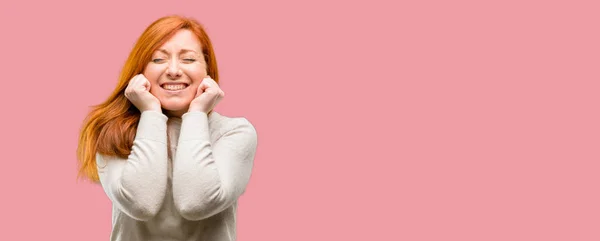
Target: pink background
[[377, 120]]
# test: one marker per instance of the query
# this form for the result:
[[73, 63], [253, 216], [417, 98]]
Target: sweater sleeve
[[137, 185], [210, 177]]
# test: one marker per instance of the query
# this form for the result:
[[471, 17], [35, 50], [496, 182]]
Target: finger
[[131, 81], [142, 77], [128, 89], [135, 78], [213, 82], [146, 84], [220, 97], [205, 85], [200, 89], [140, 83], [209, 81], [133, 85]]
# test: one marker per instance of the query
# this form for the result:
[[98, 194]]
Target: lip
[[174, 91]]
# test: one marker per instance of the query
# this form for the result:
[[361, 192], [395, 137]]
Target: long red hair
[[110, 127]]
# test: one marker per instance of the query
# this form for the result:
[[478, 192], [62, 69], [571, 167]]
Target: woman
[[172, 167]]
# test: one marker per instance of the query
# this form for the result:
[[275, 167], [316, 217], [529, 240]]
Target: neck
[[177, 113]]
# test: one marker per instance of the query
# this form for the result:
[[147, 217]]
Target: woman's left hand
[[207, 97]]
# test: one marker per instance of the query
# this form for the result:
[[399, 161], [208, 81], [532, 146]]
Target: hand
[[207, 96], [138, 92]]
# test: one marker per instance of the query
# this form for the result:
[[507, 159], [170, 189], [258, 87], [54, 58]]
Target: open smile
[[174, 86]]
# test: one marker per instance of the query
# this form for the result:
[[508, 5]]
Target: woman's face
[[175, 72]]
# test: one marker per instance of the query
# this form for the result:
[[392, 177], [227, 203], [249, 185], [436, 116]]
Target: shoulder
[[221, 125]]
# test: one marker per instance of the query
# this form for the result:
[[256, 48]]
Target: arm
[[210, 177], [137, 186]]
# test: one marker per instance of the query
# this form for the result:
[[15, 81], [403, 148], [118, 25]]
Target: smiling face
[[175, 72]]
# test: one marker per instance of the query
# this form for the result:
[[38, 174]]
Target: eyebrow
[[183, 51]]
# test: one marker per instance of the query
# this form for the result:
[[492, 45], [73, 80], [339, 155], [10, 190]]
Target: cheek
[[195, 72], [155, 89], [194, 87], [152, 73]]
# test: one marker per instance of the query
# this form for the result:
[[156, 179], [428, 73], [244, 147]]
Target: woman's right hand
[[138, 92]]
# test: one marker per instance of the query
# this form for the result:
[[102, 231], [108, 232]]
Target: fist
[[138, 92], [207, 96]]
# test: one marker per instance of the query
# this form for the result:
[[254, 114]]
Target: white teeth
[[174, 86]]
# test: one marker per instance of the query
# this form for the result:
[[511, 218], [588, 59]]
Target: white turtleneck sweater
[[182, 179]]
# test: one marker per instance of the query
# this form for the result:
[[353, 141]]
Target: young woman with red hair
[[172, 167]]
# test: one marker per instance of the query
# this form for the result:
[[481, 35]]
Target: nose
[[173, 70]]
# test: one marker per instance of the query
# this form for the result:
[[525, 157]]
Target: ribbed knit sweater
[[182, 179]]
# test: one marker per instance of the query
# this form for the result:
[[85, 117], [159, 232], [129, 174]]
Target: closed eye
[[156, 61]]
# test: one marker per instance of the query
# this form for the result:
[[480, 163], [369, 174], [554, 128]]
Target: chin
[[176, 107]]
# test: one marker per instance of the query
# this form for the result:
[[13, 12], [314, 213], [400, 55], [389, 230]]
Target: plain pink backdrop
[[377, 120]]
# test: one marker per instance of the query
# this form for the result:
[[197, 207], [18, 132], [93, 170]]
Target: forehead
[[183, 39]]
